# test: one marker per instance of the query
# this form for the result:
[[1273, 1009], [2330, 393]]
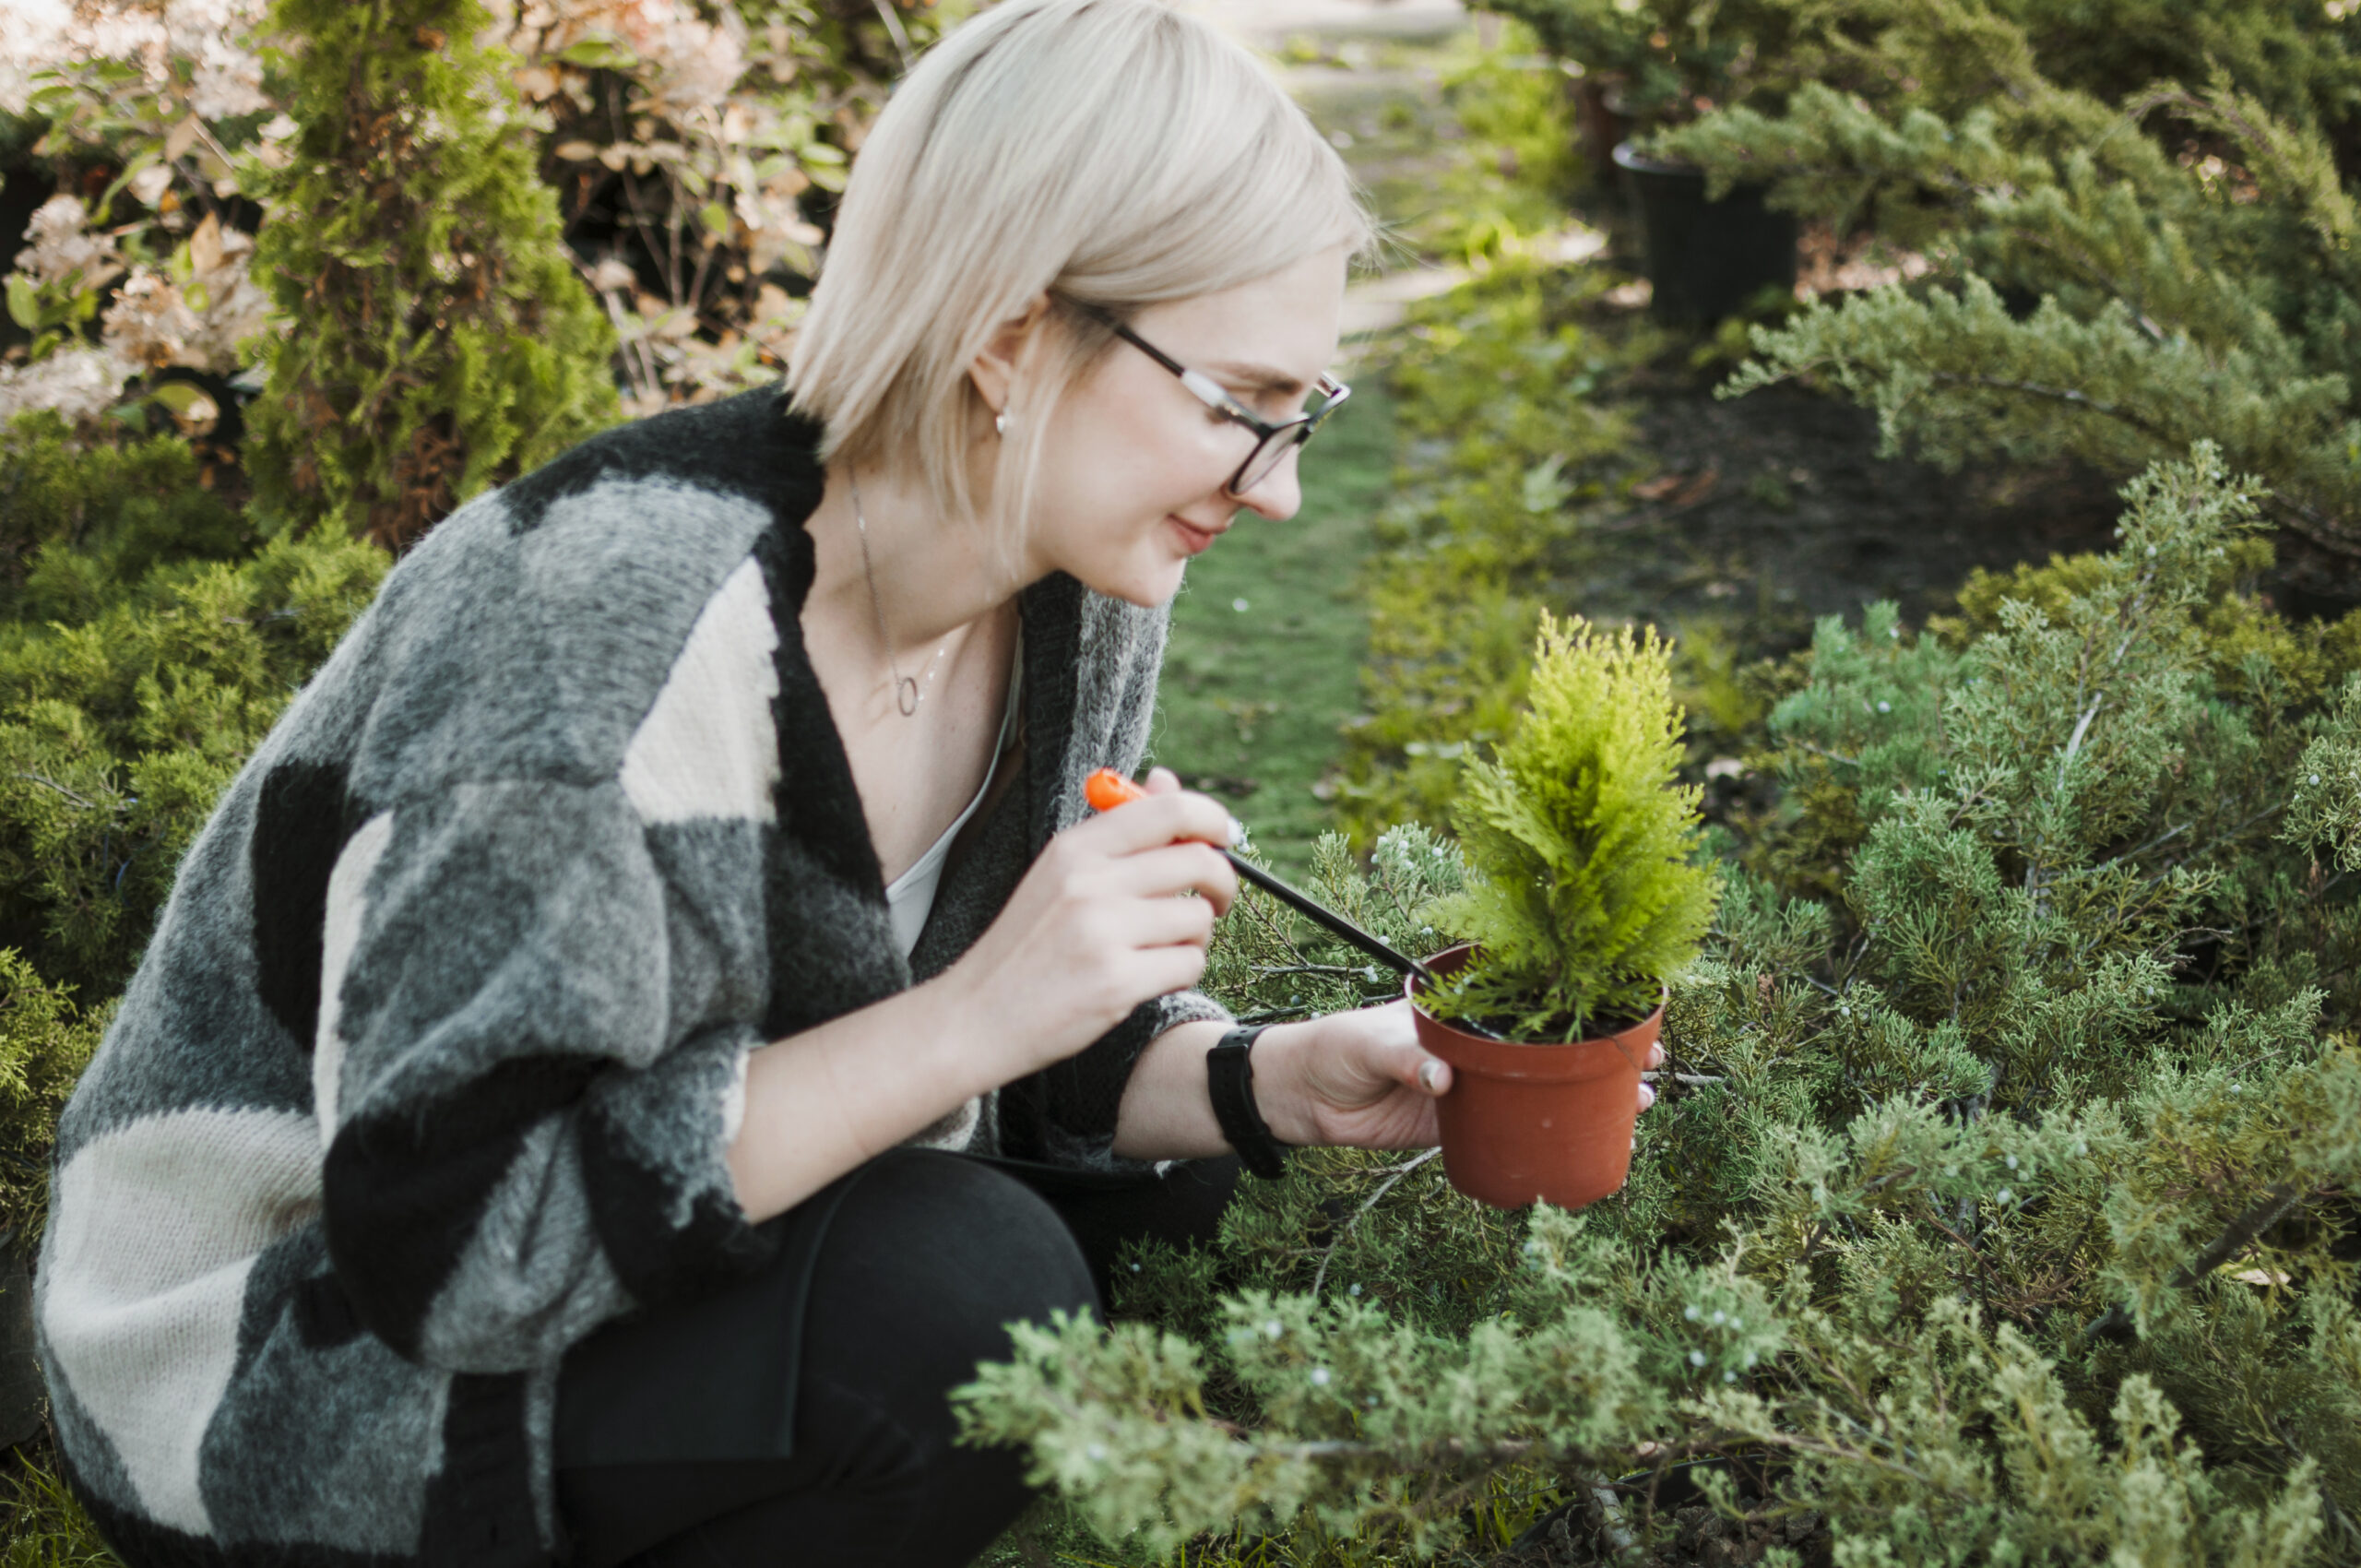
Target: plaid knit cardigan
[[431, 1066]]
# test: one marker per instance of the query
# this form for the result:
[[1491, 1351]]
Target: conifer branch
[[1611, 1514], [2158, 842], [1506, 1448], [2097, 276], [53, 784], [1319, 1276], [2268, 1210], [2338, 1519], [2074, 742], [2067, 395]]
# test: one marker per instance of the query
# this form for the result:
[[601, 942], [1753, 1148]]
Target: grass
[[1268, 635], [42, 1524]]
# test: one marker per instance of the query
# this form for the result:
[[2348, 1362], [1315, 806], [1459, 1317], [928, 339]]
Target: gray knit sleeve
[[1067, 1113], [526, 1140]]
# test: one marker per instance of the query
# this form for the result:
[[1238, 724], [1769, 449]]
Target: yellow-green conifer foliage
[[45, 1041], [1582, 895], [434, 338]]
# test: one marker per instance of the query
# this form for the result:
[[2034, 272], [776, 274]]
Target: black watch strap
[[1230, 1078]]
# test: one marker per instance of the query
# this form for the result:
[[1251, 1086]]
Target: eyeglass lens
[[1268, 454]]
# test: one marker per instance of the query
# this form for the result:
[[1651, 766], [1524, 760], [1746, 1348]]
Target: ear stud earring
[[1000, 423]]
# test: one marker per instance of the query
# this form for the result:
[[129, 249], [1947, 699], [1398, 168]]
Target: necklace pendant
[[905, 694]]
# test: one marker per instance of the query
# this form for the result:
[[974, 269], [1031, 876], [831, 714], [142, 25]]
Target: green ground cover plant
[[1999, 1207]]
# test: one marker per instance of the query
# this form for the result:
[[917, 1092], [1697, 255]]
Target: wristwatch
[[1229, 1079]]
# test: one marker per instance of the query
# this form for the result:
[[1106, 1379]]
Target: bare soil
[[1776, 508]]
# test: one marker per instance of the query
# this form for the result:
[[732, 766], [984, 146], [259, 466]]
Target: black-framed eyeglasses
[[1272, 441]]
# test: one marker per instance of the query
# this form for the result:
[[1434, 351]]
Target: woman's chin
[[1146, 584]]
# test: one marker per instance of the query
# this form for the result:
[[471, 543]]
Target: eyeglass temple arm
[[1203, 388]]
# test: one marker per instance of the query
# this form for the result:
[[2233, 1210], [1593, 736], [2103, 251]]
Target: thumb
[[1410, 1064]]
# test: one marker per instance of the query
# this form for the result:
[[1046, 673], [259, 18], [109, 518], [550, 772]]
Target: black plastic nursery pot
[[1705, 259]]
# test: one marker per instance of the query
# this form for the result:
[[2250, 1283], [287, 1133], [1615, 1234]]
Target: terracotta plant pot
[[1527, 1122]]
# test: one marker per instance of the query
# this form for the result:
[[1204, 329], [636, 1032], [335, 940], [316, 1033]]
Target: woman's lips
[[1193, 540]]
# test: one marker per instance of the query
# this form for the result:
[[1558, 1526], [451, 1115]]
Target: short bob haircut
[[1109, 153]]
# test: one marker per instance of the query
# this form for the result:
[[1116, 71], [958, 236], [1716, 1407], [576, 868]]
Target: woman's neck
[[924, 579]]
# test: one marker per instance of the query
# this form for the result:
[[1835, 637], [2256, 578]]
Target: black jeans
[[924, 1258]]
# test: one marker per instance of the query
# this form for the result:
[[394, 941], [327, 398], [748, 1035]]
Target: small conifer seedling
[[1582, 898]]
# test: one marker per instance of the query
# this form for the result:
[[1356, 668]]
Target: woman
[[657, 1005]]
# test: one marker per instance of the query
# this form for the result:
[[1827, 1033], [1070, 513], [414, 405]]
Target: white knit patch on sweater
[[156, 1225], [348, 885], [733, 1099], [707, 748]]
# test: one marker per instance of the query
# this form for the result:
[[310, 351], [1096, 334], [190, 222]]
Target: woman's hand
[[1098, 925], [1359, 1079]]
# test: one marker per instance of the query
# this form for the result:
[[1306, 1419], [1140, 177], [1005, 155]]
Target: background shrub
[[2124, 263], [441, 342]]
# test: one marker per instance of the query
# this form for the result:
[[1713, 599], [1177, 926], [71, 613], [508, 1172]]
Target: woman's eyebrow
[[1260, 377]]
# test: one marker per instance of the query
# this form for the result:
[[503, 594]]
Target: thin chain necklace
[[908, 693]]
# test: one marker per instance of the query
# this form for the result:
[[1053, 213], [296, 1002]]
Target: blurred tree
[[435, 339]]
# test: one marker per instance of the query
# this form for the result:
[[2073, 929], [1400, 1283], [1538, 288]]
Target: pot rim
[[1626, 156]]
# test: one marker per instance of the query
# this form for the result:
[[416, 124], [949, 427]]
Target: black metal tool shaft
[[1321, 915]]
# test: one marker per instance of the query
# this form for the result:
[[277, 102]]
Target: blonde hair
[[1110, 154]]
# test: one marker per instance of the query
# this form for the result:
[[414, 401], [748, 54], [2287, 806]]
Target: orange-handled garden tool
[[1107, 789]]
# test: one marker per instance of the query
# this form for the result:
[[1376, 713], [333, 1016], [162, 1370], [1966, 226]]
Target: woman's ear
[[993, 369]]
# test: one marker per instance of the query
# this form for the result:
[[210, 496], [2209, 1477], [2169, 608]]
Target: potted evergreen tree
[[1583, 901]]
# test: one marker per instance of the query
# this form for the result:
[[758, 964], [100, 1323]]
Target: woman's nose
[[1277, 494]]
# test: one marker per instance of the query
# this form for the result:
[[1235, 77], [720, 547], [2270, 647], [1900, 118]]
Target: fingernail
[[1428, 1074], [1237, 833], [1647, 1097]]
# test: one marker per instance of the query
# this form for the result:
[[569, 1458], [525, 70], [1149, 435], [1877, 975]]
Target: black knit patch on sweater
[[816, 798], [1080, 1095], [1078, 1099], [480, 1510], [147, 1544], [302, 818], [323, 1314], [403, 1190], [655, 1261], [748, 445], [1053, 612]]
